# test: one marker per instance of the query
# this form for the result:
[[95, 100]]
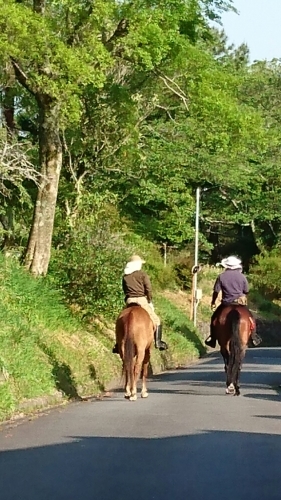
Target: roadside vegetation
[[109, 122], [49, 355], [52, 353]]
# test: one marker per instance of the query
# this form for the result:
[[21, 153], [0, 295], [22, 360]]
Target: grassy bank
[[48, 356]]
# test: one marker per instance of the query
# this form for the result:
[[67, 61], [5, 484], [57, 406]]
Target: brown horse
[[134, 337], [232, 328]]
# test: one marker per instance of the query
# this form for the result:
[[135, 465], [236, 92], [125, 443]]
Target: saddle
[[242, 301]]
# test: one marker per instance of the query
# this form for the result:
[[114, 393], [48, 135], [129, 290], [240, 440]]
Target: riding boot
[[115, 349], [211, 340], [256, 339], [159, 344]]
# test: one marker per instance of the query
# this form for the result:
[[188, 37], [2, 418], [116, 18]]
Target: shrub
[[183, 263], [89, 261], [265, 276]]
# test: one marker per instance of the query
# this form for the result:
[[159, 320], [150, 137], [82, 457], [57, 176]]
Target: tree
[[71, 46], [51, 72]]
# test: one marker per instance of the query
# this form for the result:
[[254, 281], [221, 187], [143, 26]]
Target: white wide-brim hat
[[231, 263], [136, 258], [134, 264]]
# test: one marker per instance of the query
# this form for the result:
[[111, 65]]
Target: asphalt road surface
[[187, 441]]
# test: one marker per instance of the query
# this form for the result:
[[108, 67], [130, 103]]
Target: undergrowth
[[47, 355]]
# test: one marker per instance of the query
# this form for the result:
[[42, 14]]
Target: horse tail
[[235, 346], [129, 350]]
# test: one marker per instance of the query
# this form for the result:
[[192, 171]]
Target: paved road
[[187, 441]]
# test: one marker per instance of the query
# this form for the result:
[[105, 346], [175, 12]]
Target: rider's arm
[[147, 287], [245, 286], [214, 298], [124, 286], [216, 291]]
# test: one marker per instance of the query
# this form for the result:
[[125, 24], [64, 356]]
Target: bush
[[183, 263], [266, 275], [89, 260], [88, 264]]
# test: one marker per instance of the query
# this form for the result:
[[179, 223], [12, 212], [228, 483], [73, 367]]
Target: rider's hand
[[213, 306]]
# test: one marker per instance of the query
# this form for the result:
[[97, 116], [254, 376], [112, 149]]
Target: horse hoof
[[144, 394], [230, 389], [127, 395], [133, 398]]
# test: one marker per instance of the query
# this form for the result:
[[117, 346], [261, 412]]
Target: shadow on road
[[205, 375], [192, 467], [254, 375]]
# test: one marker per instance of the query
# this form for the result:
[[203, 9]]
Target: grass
[[185, 345], [44, 350], [48, 356]]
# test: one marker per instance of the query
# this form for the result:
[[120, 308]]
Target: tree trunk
[[39, 6], [9, 110], [38, 251]]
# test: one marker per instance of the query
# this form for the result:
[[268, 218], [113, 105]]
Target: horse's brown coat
[[134, 337], [232, 328]]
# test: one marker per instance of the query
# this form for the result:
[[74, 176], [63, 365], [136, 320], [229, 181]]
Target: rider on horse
[[234, 287], [137, 289]]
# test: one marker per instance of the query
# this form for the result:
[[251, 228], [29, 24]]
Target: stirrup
[[256, 339], [115, 349], [210, 342]]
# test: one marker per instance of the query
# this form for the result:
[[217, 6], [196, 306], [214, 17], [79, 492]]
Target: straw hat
[[136, 258]]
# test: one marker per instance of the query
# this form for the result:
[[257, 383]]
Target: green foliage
[[266, 274], [46, 354], [89, 259], [181, 333], [92, 252], [183, 264]]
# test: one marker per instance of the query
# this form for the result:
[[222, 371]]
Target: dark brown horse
[[232, 328], [134, 337]]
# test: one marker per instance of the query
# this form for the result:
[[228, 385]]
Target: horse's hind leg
[[137, 371], [144, 393], [127, 385], [237, 388], [225, 355], [230, 387]]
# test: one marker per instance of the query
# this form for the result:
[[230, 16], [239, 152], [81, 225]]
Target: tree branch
[[225, 223], [174, 88], [21, 76], [15, 167], [121, 31]]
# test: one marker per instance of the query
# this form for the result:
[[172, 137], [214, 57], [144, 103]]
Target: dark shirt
[[137, 284], [232, 283]]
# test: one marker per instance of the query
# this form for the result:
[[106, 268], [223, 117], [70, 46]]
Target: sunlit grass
[[47, 355]]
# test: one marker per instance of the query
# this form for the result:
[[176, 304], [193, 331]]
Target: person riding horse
[[234, 288], [137, 289]]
